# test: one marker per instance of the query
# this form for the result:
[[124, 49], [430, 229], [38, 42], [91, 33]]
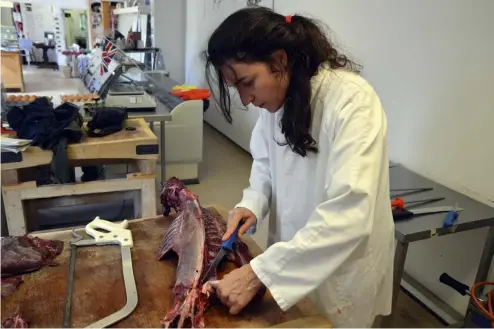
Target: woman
[[320, 168]]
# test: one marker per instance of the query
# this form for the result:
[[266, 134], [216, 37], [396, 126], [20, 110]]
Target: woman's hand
[[237, 288], [236, 216]]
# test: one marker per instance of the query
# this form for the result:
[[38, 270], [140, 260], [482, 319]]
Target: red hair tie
[[288, 19]]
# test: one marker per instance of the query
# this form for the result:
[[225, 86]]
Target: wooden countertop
[[99, 288], [120, 145]]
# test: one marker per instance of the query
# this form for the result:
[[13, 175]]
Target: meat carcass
[[23, 254], [195, 236]]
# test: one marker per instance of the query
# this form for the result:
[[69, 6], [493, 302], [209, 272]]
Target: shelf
[[143, 10]]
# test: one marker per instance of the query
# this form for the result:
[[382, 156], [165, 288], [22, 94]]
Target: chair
[[27, 46]]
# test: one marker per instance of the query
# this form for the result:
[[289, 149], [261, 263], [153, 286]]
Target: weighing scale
[[133, 97], [122, 88]]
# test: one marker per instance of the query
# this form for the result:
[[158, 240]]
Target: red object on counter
[[191, 94]]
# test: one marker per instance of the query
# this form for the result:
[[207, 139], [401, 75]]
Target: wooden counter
[[12, 77], [125, 144], [137, 146], [99, 288]]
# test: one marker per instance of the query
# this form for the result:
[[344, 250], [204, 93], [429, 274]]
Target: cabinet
[[12, 70]]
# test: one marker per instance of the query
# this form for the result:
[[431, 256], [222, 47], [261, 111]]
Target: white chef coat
[[331, 231]]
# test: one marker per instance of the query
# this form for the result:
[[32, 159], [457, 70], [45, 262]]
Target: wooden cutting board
[[99, 287]]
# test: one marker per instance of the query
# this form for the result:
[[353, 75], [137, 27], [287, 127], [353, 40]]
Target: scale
[[123, 86], [133, 97]]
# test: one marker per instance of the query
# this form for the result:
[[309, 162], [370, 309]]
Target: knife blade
[[225, 248], [406, 214]]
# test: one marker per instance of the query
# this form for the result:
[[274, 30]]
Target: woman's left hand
[[237, 288]]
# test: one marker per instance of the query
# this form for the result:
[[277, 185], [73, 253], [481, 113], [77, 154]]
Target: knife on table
[[400, 214], [225, 248]]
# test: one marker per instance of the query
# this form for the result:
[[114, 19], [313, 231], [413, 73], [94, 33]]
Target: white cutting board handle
[[116, 232]]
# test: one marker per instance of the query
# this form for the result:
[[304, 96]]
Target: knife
[[406, 214], [225, 248]]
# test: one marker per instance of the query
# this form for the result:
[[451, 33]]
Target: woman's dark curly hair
[[253, 34]]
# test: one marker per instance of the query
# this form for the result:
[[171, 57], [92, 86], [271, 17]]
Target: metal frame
[[406, 235], [129, 281]]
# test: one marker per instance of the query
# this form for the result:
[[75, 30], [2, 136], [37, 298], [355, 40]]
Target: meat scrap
[[9, 285], [16, 321], [24, 254], [195, 236]]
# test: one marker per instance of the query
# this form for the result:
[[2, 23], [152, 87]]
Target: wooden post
[[106, 16], [10, 177], [148, 197], [14, 211]]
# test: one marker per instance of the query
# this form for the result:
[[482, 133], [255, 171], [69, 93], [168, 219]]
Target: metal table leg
[[162, 151], [485, 260], [399, 268]]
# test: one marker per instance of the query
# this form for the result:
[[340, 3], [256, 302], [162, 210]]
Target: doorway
[[76, 29]]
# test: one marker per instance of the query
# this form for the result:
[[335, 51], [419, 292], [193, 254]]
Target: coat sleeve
[[257, 196], [338, 226]]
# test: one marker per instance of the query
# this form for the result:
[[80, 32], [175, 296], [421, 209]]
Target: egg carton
[[80, 98], [23, 100]]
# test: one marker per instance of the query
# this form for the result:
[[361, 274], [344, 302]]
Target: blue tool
[[451, 217], [225, 248]]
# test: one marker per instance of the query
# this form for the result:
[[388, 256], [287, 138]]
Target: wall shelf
[[143, 10]]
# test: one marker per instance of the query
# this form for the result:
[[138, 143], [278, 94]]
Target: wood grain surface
[[120, 145], [99, 287]]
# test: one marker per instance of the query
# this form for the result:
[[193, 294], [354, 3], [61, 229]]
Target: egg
[[10, 98], [18, 99], [32, 98]]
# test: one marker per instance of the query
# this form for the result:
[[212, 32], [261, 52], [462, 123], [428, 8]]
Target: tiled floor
[[224, 172], [51, 83]]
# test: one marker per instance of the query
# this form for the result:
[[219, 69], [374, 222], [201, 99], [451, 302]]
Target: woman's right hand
[[236, 216]]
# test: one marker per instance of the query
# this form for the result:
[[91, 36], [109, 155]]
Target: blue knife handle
[[229, 244], [451, 218]]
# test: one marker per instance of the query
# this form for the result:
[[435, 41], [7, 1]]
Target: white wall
[[169, 35], [7, 18], [72, 25], [67, 4], [432, 64], [41, 19], [203, 16], [35, 23]]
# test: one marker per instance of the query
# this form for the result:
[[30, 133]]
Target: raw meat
[[10, 284], [195, 236], [16, 321], [23, 254]]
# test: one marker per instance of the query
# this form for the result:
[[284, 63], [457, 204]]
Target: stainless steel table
[[474, 216], [161, 115]]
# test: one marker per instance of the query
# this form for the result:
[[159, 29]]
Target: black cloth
[[107, 121], [51, 129]]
